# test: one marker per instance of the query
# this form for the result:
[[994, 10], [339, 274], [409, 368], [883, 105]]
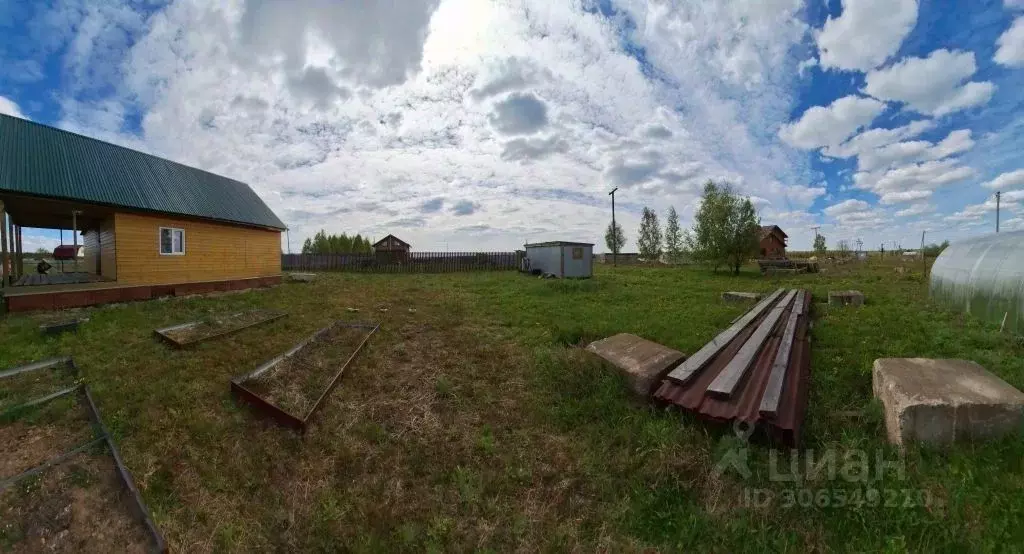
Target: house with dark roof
[[149, 226], [391, 248], [772, 242]]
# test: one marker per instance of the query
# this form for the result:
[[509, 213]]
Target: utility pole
[[615, 232], [924, 263], [999, 195]]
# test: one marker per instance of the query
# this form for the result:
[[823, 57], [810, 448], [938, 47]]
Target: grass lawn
[[472, 421]]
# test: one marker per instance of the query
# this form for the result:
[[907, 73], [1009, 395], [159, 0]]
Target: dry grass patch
[[218, 326]]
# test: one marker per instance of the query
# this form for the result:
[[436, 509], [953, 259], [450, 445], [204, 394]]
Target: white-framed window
[[172, 241]]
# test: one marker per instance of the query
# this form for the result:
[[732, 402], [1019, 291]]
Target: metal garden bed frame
[[137, 505], [66, 326], [275, 412], [162, 333]]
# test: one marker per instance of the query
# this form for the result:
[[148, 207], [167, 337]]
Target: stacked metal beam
[[756, 371]]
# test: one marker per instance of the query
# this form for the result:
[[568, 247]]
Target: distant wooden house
[[772, 242], [392, 248]]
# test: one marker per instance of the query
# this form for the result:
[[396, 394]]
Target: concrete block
[[942, 401], [302, 277], [644, 363], [845, 298], [733, 296]]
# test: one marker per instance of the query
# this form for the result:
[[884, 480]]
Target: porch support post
[[10, 245], [4, 258], [21, 255]]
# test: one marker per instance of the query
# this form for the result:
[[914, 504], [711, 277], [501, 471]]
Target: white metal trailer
[[561, 258]]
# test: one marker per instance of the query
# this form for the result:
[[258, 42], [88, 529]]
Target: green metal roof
[[44, 161]]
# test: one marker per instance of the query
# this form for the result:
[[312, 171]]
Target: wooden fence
[[412, 262]]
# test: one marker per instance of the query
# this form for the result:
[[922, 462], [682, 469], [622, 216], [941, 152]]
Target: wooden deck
[[41, 279]]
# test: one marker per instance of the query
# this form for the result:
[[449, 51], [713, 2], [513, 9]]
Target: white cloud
[[872, 139], [934, 85], [977, 212], [370, 43], [806, 65], [847, 207], [866, 33], [1008, 180], [1014, 4], [916, 176], [519, 114], [830, 125], [1011, 45], [901, 153], [904, 196], [9, 107], [915, 210], [856, 214]]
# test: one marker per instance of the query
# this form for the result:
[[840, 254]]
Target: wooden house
[[772, 242], [391, 248], [149, 226]]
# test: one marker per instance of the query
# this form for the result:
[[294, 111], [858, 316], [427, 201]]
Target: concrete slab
[[845, 298], [302, 277], [643, 362], [733, 296], [942, 401]]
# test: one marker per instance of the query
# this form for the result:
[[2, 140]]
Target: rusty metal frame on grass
[[275, 412], [162, 333], [100, 435]]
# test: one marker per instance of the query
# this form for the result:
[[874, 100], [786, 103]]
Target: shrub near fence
[[413, 262]]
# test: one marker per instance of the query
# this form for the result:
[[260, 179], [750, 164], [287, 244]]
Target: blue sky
[[470, 124]]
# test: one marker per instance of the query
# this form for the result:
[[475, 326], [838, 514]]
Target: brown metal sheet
[[744, 404]]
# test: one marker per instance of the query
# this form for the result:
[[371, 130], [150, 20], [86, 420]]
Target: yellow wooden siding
[[213, 252], [98, 246], [108, 249], [90, 250]]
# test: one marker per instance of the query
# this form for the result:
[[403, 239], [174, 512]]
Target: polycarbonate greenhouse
[[985, 277]]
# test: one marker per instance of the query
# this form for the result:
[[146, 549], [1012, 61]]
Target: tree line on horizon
[[323, 243]]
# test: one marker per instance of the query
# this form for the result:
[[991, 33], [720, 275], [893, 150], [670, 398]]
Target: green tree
[[673, 237], [614, 238], [725, 229], [648, 240], [322, 243], [843, 248], [819, 245], [933, 250]]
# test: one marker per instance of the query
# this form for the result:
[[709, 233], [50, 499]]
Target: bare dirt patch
[[295, 383], [42, 433], [77, 506]]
